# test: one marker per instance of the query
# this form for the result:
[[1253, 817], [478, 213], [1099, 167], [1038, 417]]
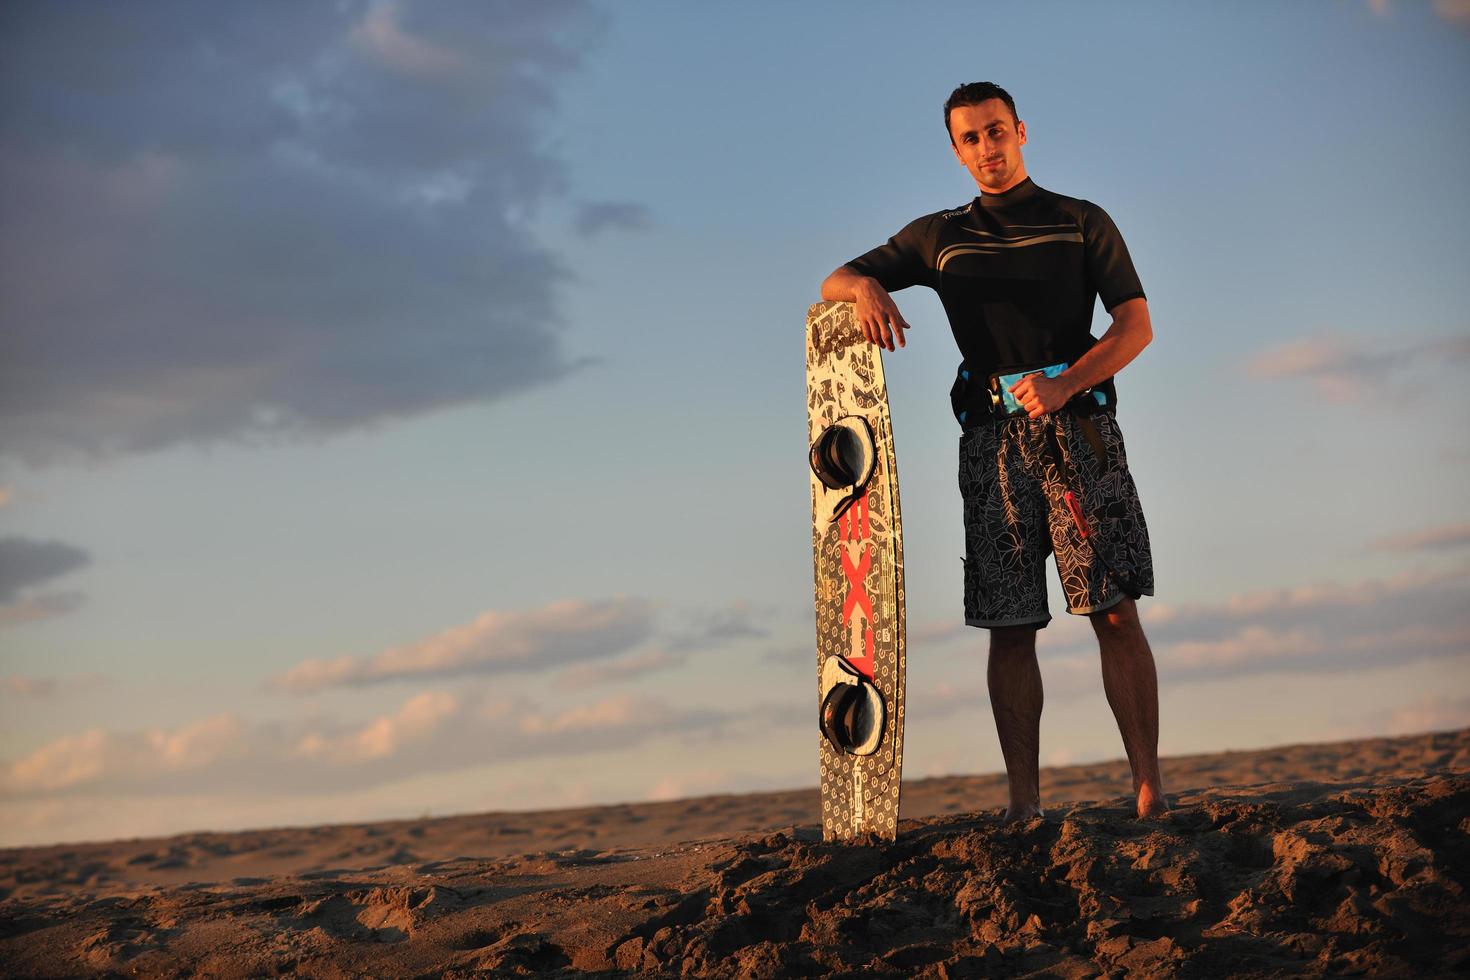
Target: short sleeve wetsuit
[[1018, 274]]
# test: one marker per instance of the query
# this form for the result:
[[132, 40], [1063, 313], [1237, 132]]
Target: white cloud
[[431, 731], [1456, 12], [18, 686], [941, 631], [617, 671], [30, 609], [562, 633], [274, 221], [1430, 539], [419, 718], [693, 782], [1342, 367], [1340, 627], [29, 687], [25, 563], [1061, 757], [1428, 714], [380, 35], [595, 218], [616, 712], [1327, 626], [713, 628], [100, 757], [199, 744]]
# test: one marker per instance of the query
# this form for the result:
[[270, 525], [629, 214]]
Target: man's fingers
[[884, 329], [876, 331]]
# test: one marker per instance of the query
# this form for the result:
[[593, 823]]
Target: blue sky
[[401, 405]]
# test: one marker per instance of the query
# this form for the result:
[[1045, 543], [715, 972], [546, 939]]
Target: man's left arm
[[1129, 334]]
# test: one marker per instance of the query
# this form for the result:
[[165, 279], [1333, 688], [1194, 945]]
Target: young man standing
[[1042, 464]]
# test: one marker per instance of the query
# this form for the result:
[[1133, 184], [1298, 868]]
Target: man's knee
[[1119, 619], [1009, 641]]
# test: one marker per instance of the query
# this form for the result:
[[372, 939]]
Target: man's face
[[988, 141]]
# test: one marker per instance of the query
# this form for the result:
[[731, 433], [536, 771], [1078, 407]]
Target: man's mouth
[[991, 164]]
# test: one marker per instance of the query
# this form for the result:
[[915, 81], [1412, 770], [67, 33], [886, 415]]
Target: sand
[[1352, 857]]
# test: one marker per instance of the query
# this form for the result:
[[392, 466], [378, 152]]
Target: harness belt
[[975, 403]]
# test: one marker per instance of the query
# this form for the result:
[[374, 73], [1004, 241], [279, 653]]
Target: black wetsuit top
[[1018, 273]]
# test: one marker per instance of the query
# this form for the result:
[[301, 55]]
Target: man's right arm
[[877, 314]]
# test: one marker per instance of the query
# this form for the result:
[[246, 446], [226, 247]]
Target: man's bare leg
[[1132, 686], [1015, 698]]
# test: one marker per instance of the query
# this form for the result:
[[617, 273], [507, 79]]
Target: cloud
[[618, 671], [941, 631], [418, 719], [714, 628], [562, 633], [273, 221], [1442, 538], [1455, 12], [30, 609], [19, 686], [1333, 626], [1339, 627], [792, 657], [431, 731], [1428, 713], [100, 757], [24, 564], [1344, 368], [595, 218], [697, 782], [383, 38]]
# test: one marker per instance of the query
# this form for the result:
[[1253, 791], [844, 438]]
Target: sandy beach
[[1351, 857]]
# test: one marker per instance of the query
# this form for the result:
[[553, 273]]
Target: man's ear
[[1021, 132]]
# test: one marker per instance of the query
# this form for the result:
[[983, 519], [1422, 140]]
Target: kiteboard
[[857, 558]]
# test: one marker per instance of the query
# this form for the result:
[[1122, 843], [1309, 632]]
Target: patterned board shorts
[[1015, 515]]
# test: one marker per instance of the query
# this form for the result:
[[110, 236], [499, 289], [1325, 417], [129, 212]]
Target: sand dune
[[1348, 857]]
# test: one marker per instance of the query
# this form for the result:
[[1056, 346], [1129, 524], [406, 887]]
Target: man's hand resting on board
[[877, 315]]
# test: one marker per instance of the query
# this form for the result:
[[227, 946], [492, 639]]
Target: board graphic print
[[857, 558]]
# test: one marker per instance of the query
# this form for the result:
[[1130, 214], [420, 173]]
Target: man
[[1019, 270]]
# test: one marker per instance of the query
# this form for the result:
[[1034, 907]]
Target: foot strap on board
[[853, 713], [843, 458]]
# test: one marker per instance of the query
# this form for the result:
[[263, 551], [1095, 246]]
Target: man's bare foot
[[1152, 803], [1017, 814]]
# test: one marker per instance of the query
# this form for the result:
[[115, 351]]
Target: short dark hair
[[974, 93]]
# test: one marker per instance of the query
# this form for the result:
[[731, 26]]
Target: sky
[[402, 404]]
